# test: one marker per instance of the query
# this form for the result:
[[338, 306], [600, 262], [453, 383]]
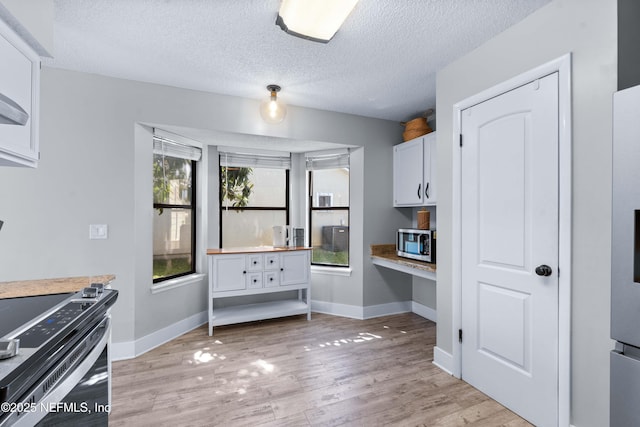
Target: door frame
[[562, 65]]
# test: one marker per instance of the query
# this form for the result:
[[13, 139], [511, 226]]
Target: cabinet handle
[[255, 262], [255, 280], [271, 279], [426, 190], [281, 269], [419, 190], [270, 261], [244, 272]]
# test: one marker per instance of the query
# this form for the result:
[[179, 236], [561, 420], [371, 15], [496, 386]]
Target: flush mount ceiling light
[[271, 110], [316, 20]]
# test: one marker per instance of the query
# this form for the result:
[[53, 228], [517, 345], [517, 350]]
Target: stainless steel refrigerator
[[625, 260]]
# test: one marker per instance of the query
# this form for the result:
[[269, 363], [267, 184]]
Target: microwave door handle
[[424, 244]]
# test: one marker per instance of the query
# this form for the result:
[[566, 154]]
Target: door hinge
[[460, 140], [459, 335]]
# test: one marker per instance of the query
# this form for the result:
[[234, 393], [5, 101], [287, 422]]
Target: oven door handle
[[60, 390]]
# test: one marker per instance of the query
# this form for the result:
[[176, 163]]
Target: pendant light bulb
[[272, 110]]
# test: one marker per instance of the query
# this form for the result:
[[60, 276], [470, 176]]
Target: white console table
[[240, 272]]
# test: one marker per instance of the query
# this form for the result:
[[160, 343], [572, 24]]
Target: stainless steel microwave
[[417, 244]]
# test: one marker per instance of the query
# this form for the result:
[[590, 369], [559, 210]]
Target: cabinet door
[[19, 86], [294, 268], [408, 188], [430, 157], [229, 273]]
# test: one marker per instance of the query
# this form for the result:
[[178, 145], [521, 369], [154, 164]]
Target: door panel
[[504, 325], [502, 187], [509, 227]]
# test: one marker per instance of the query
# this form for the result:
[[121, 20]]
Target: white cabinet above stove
[[19, 100]]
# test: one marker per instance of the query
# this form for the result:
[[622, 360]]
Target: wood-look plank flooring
[[291, 372]]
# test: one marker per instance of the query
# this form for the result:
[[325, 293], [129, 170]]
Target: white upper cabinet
[[407, 173], [19, 100], [414, 172]]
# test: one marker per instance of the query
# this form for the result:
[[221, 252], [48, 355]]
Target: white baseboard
[[443, 360], [424, 311], [122, 350], [131, 349], [336, 309], [358, 312], [380, 310]]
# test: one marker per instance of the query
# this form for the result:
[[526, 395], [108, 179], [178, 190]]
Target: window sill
[[331, 271], [177, 282]]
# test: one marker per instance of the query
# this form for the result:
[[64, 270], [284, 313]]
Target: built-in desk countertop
[[386, 256]]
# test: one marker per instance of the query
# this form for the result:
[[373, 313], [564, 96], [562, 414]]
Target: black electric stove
[[52, 334]]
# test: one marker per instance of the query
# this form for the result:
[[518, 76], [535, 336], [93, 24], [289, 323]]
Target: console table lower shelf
[[259, 311]]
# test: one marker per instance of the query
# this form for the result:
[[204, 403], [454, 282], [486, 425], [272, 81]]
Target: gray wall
[[95, 168], [588, 30], [425, 292]]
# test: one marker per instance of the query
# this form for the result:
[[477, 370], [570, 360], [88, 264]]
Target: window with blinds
[[329, 207], [174, 207], [254, 196]]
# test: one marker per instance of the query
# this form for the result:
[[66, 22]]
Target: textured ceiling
[[382, 63]]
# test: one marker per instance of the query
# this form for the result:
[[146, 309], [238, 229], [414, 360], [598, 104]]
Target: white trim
[[424, 311], [337, 309], [359, 312], [122, 350], [163, 134], [379, 310], [331, 271], [443, 360], [562, 65], [131, 349], [265, 140], [177, 282]]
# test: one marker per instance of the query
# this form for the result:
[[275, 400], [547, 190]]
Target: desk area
[[385, 256]]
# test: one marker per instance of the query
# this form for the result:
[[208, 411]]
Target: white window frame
[[177, 146]]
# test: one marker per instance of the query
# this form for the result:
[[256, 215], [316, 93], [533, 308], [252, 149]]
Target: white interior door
[[509, 251]]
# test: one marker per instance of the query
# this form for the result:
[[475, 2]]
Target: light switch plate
[[98, 231]]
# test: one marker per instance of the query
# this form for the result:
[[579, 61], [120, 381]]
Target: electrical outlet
[[98, 231]]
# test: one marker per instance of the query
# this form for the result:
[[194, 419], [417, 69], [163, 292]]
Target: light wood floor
[[291, 372]]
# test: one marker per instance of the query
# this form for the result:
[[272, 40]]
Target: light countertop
[[27, 288], [255, 249], [387, 254]]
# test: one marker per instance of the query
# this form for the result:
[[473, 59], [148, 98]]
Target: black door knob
[[543, 270]]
